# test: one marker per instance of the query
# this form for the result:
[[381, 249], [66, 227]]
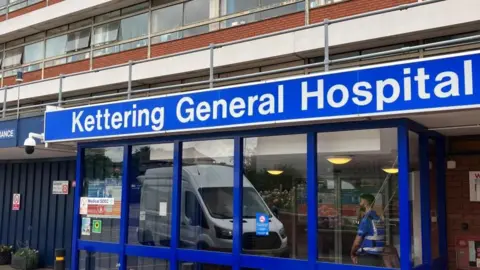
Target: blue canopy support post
[[76, 207], [404, 198], [237, 202], [127, 150], [441, 198], [176, 203], [425, 199], [312, 199]]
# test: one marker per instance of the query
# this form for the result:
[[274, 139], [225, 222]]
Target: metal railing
[[211, 78]]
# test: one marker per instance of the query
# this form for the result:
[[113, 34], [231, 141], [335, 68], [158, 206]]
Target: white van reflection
[[206, 211]]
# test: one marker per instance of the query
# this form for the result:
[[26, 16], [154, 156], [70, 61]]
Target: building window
[[207, 194], [167, 18], [33, 52], [102, 186], [357, 177], [13, 58], [150, 200], [134, 27], [180, 15], [106, 33], [274, 189], [78, 40], [3, 3], [231, 7]]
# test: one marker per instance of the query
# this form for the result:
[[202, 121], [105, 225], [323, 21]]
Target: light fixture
[[275, 172], [390, 170], [339, 160]]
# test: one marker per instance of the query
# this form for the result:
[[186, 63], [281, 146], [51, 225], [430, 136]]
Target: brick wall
[[51, 2], [28, 9], [120, 58], [459, 208], [3, 18], [352, 7], [67, 68]]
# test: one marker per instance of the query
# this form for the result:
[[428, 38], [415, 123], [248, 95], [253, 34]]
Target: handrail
[[212, 80]]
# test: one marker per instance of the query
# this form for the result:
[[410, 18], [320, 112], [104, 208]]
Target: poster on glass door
[[105, 198]]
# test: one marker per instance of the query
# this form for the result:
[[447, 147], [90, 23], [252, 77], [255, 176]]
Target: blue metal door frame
[[238, 260]]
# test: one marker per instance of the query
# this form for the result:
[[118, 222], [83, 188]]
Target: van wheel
[[202, 246]]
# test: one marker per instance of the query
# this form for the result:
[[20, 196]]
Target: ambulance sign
[[60, 188], [16, 202]]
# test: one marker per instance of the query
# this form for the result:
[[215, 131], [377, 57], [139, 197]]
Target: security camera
[[30, 144]]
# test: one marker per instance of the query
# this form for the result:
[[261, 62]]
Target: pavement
[[7, 267]]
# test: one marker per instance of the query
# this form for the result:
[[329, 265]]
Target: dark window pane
[[356, 195], [33, 52], [78, 40], [207, 167], [97, 261], [106, 33], [151, 195], [196, 11], [102, 194], [167, 18], [140, 263], [13, 57], [275, 176], [56, 46], [133, 27]]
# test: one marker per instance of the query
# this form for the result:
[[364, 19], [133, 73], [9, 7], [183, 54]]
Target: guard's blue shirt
[[372, 230]]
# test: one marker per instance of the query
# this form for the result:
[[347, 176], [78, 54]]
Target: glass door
[[100, 209]]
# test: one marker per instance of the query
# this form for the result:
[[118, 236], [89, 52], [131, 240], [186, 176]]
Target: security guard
[[370, 241]]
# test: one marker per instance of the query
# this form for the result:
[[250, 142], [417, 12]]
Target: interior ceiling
[[41, 152]]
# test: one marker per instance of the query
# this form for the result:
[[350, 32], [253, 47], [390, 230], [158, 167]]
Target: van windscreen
[[219, 202]]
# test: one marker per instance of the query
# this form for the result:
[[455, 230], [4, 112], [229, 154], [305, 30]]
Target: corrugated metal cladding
[[44, 221]]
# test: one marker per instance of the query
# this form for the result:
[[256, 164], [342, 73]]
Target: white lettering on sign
[[238, 107], [389, 90], [130, 118], [101, 201], [7, 134]]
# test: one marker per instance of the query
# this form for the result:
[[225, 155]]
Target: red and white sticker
[[16, 202]]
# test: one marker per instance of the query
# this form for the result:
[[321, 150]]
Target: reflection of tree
[[97, 165]]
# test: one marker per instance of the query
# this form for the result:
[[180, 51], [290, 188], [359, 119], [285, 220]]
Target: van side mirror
[[275, 211]]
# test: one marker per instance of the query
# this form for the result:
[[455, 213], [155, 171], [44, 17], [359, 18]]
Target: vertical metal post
[[441, 198], [76, 208], [18, 101], [312, 200], [4, 111], [326, 46], [238, 201], [176, 203], [307, 12], [212, 47], [127, 159], [404, 198], [129, 89], [60, 91], [425, 200], [149, 44]]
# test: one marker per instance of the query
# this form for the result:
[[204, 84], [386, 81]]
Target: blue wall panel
[[44, 221]]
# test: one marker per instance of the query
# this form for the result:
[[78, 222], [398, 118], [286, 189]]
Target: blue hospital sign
[[434, 84], [262, 224]]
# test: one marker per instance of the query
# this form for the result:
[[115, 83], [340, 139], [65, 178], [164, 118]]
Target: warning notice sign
[[16, 202]]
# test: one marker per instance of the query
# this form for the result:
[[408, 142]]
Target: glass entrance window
[[206, 214], [150, 196], [274, 196], [358, 197], [100, 202]]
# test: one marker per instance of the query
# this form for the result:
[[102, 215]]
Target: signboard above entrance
[[432, 84]]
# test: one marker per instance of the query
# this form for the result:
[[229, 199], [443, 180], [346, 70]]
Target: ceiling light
[[275, 172], [339, 160], [390, 170]]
